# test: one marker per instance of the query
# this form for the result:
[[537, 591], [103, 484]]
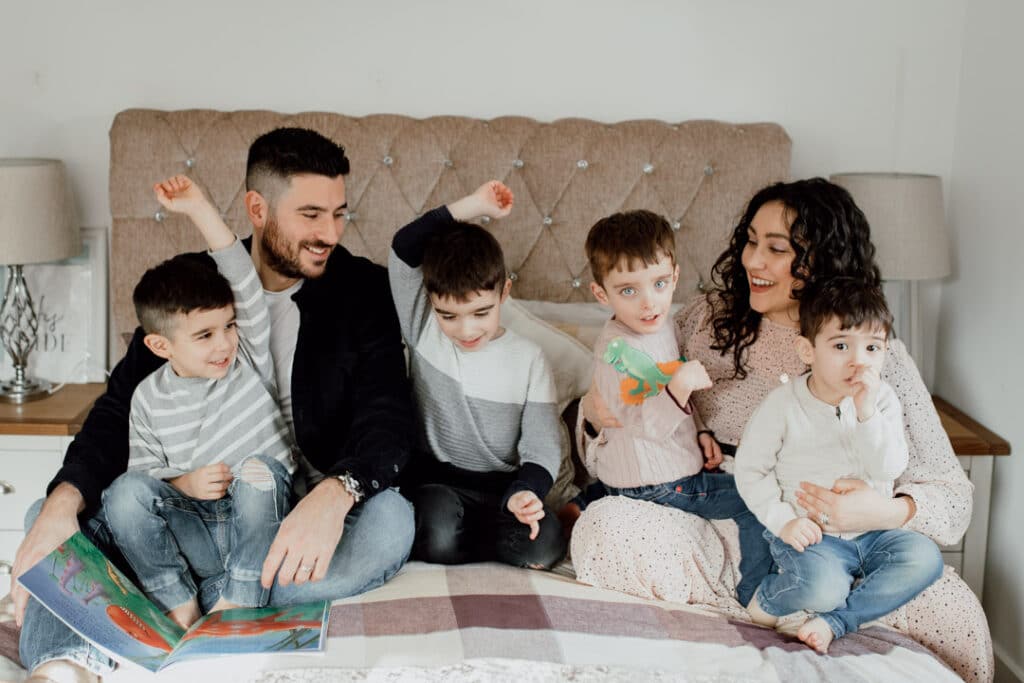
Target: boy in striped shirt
[[210, 454]]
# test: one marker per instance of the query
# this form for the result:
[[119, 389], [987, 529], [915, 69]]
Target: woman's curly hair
[[830, 237]]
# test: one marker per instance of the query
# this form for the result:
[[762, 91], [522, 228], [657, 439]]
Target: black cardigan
[[350, 395]]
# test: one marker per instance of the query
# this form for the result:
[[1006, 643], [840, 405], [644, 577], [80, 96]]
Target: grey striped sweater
[[178, 424]]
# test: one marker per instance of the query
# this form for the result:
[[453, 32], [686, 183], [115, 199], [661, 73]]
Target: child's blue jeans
[[168, 538], [713, 495], [893, 567]]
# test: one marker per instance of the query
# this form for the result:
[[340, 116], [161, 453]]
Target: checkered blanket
[[489, 622]]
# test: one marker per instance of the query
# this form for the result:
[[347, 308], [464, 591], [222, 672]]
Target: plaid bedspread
[[490, 622]]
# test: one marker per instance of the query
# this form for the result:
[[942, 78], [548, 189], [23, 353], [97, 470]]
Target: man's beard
[[282, 257]]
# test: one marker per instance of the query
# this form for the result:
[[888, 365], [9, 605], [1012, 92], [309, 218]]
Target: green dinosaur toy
[[645, 378]]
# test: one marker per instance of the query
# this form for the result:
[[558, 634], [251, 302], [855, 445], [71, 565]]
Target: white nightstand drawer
[[9, 542], [24, 474]]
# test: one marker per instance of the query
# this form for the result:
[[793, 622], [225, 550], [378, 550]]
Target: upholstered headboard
[[565, 175]]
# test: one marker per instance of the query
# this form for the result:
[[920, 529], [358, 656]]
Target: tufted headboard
[[565, 176]]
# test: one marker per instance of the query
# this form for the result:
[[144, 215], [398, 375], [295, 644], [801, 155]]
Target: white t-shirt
[[284, 335]]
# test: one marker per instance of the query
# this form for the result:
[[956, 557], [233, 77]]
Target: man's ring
[[823, 518], [305, 569]]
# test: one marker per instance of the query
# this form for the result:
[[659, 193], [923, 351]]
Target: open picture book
[[88, 593]]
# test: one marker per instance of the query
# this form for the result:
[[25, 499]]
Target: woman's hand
[[595, 410], [853, 506]]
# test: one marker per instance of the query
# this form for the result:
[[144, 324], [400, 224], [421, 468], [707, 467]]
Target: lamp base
[[23, 392]]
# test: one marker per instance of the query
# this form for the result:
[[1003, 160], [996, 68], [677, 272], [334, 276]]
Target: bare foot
[[817, 634], [223, 604], [186, 614], [759, 616]]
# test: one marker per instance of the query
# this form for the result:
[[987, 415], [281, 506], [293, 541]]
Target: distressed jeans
[[375, 544], [172, 541], [892, 566]]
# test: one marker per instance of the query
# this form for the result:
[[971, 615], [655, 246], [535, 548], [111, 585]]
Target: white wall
[[982, 316], [868, 85], [859, 86]]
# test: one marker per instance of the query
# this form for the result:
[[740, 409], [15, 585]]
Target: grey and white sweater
[[492, 410], [178, 424]]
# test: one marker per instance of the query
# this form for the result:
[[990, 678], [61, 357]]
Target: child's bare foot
[[186, 614], [223, 604], [817, 634], [759, 616]]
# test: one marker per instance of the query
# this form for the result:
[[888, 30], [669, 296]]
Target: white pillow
[[571, 361]]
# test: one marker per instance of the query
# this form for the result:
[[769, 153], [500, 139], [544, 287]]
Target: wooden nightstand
[[33, 438], [976, 447]]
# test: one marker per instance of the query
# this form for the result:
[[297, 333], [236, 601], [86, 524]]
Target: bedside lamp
[[37, 224], [908, 227]]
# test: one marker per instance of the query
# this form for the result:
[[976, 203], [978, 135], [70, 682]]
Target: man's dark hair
[[853, 301], [285, 152], [633, 237], [462, 260], [178, 286]]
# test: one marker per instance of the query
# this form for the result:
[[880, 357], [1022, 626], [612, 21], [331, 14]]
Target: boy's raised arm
[[180, 195]]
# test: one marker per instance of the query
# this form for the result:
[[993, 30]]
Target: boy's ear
[[675, 277], [805, 349], [599, 293], [257, 208], [158, 344], [505, 290]]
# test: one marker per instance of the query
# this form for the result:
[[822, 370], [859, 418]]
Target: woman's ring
[[823, 518], [305, 569]]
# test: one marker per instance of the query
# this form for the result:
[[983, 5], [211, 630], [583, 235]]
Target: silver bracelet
[[351, 485]]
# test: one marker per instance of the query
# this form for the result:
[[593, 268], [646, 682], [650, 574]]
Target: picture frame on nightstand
[[71, 302]]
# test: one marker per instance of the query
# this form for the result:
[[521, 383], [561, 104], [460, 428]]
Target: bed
[[487, 621]]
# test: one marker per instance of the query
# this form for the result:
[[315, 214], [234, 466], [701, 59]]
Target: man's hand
[[492, 199], [688, 378], [866, 384], [712, 451], [308, 537], [528, 509], [57, 521], [800, 533], [209, 482]]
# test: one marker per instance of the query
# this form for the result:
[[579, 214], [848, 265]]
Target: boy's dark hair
[[853, 301], [178, 286], [632, 236], [462, 260], [276, 156]]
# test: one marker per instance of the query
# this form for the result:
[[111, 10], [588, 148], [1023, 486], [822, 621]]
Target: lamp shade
[[908, 222], [37, 216]]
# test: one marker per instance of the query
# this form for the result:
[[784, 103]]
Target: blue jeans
[[893, 567], [168, 538], [713, 495], [374, 545]]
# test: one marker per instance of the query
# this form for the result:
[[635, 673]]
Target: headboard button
[[387, 161], [517, 163], [676, 225], [576, 283], [709, 170], [448, 163], [582, 164], [159, 216], [190, 163], [648, 169], [548, 220], [513, 276], [485, 219]]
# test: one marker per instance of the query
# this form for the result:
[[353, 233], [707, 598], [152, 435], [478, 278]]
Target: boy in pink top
[[659, 453]]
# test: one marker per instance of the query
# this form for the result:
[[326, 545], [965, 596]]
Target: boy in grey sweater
[[210, 454], [485, 396]]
